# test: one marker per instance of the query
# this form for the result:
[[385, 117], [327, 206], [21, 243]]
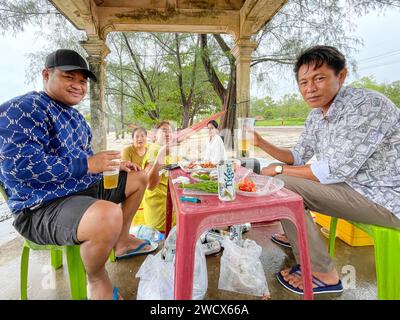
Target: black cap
[[68, 60]]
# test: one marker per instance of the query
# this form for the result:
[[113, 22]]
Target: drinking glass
[[110, 177], [244, 136]]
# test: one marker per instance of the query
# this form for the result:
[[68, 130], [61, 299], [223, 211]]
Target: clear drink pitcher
[[244, 137]]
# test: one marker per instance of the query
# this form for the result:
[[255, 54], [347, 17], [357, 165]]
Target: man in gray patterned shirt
[[354, 135]]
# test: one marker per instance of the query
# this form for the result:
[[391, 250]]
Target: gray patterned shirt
[[356, 142]]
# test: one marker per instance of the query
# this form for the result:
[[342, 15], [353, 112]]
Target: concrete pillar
[[97, 51], [242, 52]]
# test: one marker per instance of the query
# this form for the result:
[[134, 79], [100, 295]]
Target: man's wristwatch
[[279, 169]]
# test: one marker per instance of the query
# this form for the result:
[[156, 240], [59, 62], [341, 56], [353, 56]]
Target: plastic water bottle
[[147, 233], [169, 250]]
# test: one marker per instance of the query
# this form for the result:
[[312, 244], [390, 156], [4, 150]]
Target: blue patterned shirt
[[356, 142], [44, 146]]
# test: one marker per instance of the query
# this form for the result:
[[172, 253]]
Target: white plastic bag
[[241, 269], [157, 275], [155, 279]]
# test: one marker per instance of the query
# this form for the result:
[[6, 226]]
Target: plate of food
[[192, 166], [201, 175], [200, 188], [257, 185]]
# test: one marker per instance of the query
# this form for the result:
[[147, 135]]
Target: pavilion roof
[[241, 18]]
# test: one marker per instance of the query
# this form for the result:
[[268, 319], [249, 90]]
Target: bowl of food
[[257, 185]]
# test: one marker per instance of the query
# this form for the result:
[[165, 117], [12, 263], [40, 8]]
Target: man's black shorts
[[56, 222]]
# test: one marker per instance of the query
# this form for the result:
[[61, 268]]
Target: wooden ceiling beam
[[168, 20], [81, 13], [98, 17], [255, 14], [180, 4]]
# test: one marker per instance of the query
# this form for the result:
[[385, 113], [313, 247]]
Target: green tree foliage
[[164, 76], [300, 24], [161, 76], [290, 106], [391, 90], [15, 16]]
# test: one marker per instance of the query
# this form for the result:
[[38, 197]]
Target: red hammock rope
[[187, 132]]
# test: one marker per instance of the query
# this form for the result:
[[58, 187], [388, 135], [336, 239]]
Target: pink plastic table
[[194, 219]]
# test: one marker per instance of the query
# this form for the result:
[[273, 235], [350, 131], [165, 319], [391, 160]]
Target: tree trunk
[[228, 120], [186, 117], [116, 131], [227, 95], [186, 100], [122, 117]]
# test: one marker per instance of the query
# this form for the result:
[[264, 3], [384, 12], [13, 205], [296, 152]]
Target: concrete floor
[[123, 272]]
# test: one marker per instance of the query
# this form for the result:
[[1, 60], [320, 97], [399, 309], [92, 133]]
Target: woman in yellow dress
[[136, 153], [158, 155], [137, 150]]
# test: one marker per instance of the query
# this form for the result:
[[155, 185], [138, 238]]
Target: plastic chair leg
[[24, 272], [56, 258], [387, 260], [112, 258], [387, 257], [332, 236], [77, 273]]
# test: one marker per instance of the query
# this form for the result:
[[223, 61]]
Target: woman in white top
[[215, 149]]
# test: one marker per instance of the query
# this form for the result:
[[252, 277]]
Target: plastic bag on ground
[[241, 269], [157, 273]]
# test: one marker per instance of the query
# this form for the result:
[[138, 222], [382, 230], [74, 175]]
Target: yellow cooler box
[[345, 231]]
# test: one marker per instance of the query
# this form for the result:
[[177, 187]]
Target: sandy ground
[[193, 148]]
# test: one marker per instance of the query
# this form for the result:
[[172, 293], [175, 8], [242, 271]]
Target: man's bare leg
[[98, 231], [136, 185]]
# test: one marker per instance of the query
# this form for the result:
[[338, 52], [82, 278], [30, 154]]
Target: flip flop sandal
[[139, 250], [280, 242], [115, 293], [321, 287]]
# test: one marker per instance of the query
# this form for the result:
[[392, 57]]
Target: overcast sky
[[380, 57]]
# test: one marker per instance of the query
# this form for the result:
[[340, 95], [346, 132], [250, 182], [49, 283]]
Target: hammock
[[187, 132]]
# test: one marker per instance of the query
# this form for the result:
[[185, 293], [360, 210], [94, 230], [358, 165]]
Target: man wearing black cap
[[52, 177]]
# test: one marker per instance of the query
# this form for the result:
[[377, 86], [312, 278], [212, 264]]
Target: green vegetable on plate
[[206, 186]]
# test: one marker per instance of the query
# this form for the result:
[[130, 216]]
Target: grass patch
[[281, 122]]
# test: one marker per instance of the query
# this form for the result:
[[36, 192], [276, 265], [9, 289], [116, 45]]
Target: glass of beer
[[110, 177], [244, 137]]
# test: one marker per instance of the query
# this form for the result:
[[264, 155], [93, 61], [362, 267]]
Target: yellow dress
[[154, 201], [130, 154]]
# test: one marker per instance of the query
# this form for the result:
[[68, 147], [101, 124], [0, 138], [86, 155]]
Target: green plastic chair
[[76, 270], [387, 256]]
